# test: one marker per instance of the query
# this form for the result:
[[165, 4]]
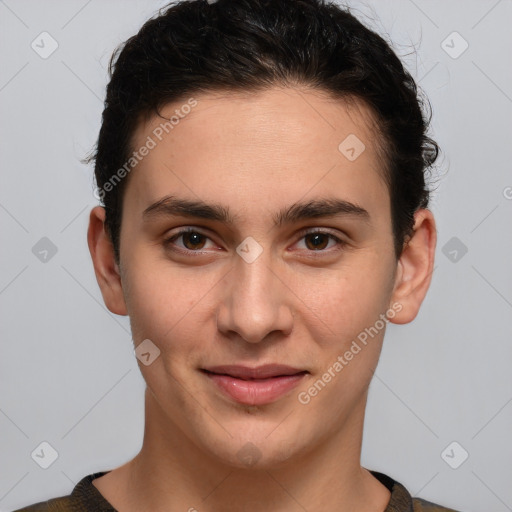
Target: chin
[[257, 452]]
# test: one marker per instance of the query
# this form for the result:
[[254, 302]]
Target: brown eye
[[193, 242], [318, 240], [192, 239]]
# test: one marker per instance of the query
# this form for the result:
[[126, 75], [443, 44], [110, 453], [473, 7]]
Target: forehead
[[260, 148], [281, 115]]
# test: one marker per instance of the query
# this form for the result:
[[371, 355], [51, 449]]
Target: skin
[[295, 304]]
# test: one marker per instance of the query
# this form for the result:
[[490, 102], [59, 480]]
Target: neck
[[173, 473]]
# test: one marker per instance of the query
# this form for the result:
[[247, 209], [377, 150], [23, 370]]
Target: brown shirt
[[86, 498]]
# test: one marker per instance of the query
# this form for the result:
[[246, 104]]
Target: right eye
[[191, 238]]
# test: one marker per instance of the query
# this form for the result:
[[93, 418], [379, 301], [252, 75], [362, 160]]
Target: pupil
[[317, 237], [194, 238]]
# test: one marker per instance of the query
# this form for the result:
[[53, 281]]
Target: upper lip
[[259, 372]]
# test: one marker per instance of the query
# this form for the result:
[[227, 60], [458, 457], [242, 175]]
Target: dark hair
[[249, 45]]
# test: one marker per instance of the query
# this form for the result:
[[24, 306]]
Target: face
[[287, 259]]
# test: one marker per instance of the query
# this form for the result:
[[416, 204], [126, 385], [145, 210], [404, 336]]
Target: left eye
[[192, 238], [319, 240]]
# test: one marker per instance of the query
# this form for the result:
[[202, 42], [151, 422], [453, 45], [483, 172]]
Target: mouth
[[254, 386]]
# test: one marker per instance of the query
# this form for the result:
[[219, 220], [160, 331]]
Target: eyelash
[[168, 242]]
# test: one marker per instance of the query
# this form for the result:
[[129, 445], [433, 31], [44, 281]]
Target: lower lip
[[255, 392]]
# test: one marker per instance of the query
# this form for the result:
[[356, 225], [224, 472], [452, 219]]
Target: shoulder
[[61, 504], [84, 498], [402, 501], [420, 505]]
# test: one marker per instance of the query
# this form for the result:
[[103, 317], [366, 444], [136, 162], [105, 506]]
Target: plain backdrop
[[68, 374]]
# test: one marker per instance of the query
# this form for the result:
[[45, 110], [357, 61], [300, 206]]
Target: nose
[[256, 301]]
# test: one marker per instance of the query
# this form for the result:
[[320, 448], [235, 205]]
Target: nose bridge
[[255, 301]]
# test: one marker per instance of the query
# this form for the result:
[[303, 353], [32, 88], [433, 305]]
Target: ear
[[415, 267], [105, 267]]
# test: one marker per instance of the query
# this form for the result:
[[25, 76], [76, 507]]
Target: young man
[[262, 169]]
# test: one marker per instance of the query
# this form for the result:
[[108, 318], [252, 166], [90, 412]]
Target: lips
[[255, 386], [260, 372]]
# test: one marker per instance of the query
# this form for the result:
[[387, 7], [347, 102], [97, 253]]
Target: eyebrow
[[171, 206]]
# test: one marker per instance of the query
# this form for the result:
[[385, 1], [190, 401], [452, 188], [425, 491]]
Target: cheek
[[170, 302], [349, 299], [350, 341], [165, 302], [165, 313], [153, 288]]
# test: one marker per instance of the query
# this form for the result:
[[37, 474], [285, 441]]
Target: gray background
[[67, 370]]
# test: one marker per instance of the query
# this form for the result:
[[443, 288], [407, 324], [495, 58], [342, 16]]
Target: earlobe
[[415, 267], [105, 267]]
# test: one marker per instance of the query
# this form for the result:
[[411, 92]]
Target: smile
[[255, 386]]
